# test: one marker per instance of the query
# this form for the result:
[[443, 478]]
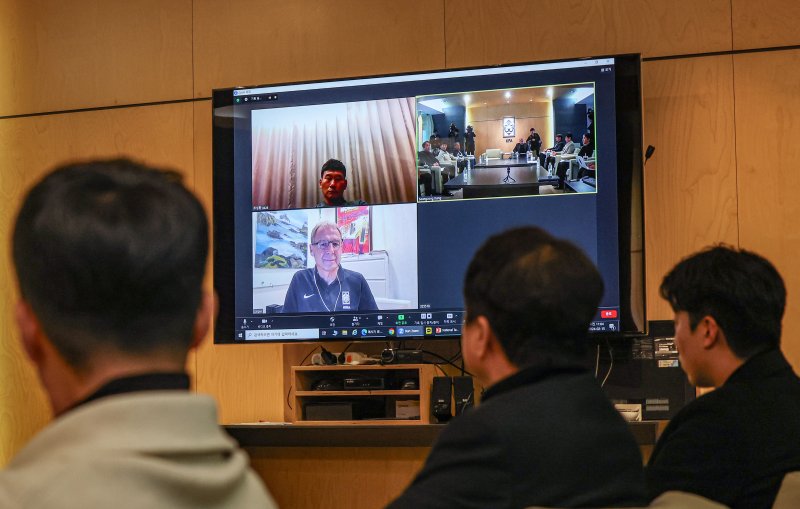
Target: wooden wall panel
[[690, 183], [274, 41], [337, 477], [765, 24], [479, 32], [246, 380], [767, 123], [58, 55], [31, 146]]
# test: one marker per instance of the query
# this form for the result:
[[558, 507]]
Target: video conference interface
[[359, 203]]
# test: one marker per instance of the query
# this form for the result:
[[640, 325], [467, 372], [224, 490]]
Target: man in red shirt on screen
[[333, 183]]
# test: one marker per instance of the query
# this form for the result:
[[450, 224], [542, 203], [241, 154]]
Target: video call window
[[479, 144], [374, 140], [377, 243]]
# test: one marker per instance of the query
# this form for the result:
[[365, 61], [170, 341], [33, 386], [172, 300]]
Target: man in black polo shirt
[[544, 433], [327, 286], [734, 444]]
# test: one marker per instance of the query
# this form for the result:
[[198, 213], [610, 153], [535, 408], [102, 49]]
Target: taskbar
[[380, 325], [343, 326]]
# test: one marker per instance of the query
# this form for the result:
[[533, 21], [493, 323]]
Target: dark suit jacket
[[544, 436], [734, 444], [426, 158]]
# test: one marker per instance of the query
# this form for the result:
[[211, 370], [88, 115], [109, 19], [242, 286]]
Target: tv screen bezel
[[630, 192]]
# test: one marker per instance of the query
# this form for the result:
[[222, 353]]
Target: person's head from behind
[[333, 181], [529, 298], [110, 258], [728, 306]]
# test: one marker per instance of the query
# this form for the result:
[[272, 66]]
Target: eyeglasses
[[324, 244]]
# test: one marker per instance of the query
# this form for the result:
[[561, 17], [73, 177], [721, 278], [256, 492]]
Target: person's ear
[[481, 337], [30, 331], [711, 332], [205, 313]]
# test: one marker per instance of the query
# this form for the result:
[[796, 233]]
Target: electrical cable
[[463, 371], [610, 366], [289, 392], [444, 373], [597, 362]]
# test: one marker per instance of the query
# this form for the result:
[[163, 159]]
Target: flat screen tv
[[366, 156]]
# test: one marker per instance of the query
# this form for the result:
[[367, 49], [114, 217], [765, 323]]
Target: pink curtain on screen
[[374, 139]]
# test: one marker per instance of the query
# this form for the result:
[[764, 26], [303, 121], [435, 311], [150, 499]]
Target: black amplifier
[[359, 383]]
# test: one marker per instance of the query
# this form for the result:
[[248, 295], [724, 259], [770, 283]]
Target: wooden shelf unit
[[304, 378]]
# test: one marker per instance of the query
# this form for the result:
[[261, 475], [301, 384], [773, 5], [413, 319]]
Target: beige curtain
[[374, 140]]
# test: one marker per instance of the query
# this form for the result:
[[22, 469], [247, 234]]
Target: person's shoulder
[[303, 274], [356, 203]]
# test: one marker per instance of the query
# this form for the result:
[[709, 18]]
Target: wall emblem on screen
[[509, 127]]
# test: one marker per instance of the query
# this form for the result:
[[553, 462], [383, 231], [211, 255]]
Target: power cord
[[610, 366], [446, 361], [289, 392]]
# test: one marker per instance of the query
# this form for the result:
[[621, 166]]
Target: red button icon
[[608, 313]]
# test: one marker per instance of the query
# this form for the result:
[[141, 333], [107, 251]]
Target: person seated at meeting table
[[534, 142], [328, 286], [447, 160], [110, 257], [586, 150], [333, 183], [735, 444], [521, 148], [557, 147], [460, 155], [568, 147], [544, 433], [425, 156]]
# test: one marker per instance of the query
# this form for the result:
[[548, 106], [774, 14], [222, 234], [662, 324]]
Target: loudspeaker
[[441, 393], [463, 393]]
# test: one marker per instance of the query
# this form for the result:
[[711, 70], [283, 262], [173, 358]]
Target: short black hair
[[569, 135], [539, 294], [333, 165], [110, 255], [559, 135], [741, 290]]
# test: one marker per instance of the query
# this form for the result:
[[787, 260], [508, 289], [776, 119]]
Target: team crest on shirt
[[346, 297]]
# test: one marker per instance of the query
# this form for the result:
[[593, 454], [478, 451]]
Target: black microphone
[[648, 153]]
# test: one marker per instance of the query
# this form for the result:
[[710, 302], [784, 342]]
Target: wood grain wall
[[723, 124]]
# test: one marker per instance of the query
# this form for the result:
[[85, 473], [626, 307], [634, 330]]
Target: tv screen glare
[[410, 212]]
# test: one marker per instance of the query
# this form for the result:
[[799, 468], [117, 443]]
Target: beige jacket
[[145, 449]]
